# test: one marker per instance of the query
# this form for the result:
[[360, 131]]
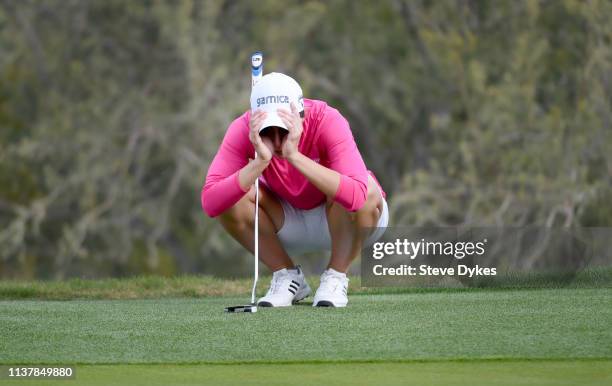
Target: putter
[[256, 74]]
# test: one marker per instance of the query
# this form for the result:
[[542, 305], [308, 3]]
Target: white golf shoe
[[288, 286], [332, 290]]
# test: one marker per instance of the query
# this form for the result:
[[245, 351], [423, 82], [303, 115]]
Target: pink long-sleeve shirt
[[326, 139]]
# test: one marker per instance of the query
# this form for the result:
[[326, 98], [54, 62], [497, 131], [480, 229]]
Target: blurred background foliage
[[483, 113]]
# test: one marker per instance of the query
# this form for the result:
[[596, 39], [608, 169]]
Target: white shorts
[[307, 231]]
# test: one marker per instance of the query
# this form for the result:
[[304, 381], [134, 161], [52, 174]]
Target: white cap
[[274, 91]]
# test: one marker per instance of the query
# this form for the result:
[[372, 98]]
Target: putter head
[[247, 308]]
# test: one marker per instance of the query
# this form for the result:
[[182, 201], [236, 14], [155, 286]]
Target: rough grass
[[157, 287], [140, 287]]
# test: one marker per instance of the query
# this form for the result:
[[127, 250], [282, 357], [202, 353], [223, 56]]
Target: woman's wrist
[[293, 157], [325, 179], [261, 163], [251, 172]]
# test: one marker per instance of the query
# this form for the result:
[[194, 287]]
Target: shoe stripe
[[295, 287], [292, 291], [295, 282]]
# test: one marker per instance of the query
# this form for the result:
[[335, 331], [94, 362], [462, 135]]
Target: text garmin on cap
[[272, 99]]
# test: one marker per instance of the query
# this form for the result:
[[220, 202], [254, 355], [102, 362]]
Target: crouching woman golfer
[[315, 191]]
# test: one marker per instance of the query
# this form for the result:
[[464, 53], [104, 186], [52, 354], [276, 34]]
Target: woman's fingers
[[286, 121], [284, 113], [292, 113], [287, 118], [257, 119], [259, 114]]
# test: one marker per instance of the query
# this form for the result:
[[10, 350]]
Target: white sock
[[331, 270]]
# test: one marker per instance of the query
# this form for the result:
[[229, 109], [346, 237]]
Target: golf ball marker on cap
[[256, 67], [275, 91]]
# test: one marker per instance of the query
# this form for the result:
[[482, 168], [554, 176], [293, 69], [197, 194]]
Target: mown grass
[[511, 324], [476, 373], [554, 336], [190, 286]]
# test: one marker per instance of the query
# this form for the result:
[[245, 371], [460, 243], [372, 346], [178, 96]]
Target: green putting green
[[542, 324], [545, 336], [511, 373]]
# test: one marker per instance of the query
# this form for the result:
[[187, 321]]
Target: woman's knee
[[369, 213], [241, 214]]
